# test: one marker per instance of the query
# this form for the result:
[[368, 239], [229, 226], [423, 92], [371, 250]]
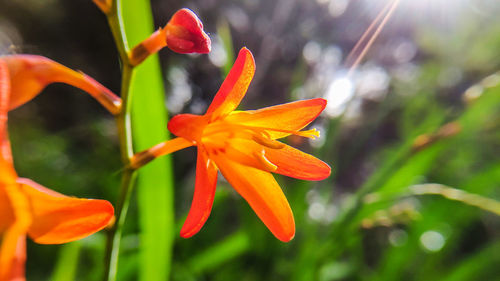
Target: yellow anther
[[313, 133]]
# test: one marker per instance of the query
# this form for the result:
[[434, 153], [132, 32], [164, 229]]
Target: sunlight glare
[[338, 93]]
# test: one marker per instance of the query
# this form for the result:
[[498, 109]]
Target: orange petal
[[297, 164], [13, 255], [5, 153], [6, 212], [30, 74], [262, 192], [17, 273], [4, 90], [12, 251], [14, 216], [19, 260], [291, 116], [203, 198], [60, 219], [235, 86], [188, 126]]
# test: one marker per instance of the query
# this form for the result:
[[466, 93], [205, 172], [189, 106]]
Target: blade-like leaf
[[149, 123]]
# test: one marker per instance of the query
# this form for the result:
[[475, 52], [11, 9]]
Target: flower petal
[[60, 219], [188, 126], [30, 74], [5, 153], [203, 198], [12, 251], [17, 272], [4, 89], [262, 192], [6, 212], [291, 116], [297, 164], [13, 255], [235, 85]]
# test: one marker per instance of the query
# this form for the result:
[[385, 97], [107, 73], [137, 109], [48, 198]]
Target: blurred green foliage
[[363, 223]]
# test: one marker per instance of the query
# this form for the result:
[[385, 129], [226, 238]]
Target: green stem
[[123, 119], [115, 233], [126, 146], [117, 29], [155, 196], [128, 177]]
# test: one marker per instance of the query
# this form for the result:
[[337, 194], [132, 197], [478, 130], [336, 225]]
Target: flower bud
[[182, 34], [185, 33]]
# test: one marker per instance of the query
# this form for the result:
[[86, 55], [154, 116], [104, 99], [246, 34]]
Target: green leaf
[[227, 43], [149, 127], [220, 253], [67, 262], [483, 263]]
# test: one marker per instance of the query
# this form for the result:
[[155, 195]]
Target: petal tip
[[286, 237], [248, 54], [186, 234], [109, 209], [323, 101], [189, 230], [322, 173]]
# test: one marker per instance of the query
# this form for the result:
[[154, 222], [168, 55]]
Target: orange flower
[[30, 74], [243, 146], [27, 208], [183, 34]]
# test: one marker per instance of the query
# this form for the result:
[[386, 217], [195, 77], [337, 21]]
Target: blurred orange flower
[[27, 208], [30, 74], [243, 146]]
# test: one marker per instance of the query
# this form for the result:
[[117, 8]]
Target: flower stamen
[[267, 141], [261, 157], [312, 134]]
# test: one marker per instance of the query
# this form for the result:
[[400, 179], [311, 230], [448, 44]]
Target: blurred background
[[413, 137]]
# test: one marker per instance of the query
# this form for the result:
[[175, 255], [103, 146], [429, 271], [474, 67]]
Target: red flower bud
[[185, 33]]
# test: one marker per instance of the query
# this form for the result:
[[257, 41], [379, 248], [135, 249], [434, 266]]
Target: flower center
[[262, 135], [246, 144]]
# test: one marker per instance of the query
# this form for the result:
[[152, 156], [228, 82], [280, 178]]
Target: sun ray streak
[[382, 17]]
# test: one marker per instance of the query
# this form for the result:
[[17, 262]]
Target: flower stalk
[[126, 147]]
